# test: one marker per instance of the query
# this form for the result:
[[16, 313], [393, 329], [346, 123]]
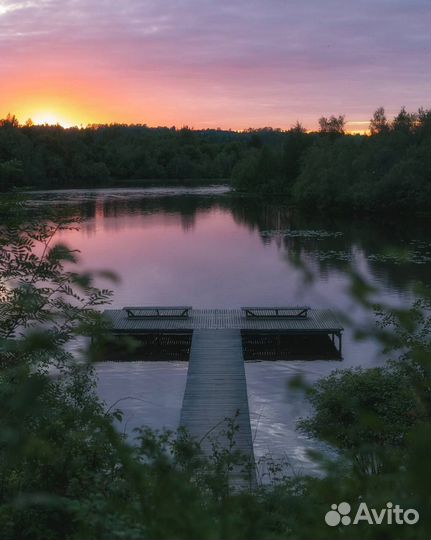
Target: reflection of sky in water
[[212, 256], [275, 408], [151, 393]]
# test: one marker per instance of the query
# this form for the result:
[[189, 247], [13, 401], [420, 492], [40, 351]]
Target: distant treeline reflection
[[329, 170], [328, 243]]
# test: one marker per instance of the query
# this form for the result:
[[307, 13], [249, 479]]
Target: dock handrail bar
[[276, 312], [158, 312]]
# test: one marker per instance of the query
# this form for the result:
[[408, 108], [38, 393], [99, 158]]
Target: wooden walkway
[[216, 390]]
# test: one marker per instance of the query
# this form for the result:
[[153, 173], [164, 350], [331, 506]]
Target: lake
[[209, 248]]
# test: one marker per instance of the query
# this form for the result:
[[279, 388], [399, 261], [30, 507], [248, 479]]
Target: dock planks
[[216, 389], [318, 320]]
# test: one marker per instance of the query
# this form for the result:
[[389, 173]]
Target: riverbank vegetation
[[66, 472], [113, 155], [386, 171]]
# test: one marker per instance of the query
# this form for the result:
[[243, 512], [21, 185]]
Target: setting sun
[[50, 118], [51, 106]]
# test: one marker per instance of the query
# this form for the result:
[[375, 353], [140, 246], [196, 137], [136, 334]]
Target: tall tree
[[332, 125], [379, 123], [404, 121]]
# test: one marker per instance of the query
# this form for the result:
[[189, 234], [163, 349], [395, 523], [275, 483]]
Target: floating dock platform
[[299, 321]]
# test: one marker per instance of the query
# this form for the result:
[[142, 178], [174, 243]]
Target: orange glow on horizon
[[70, 101], [50, 118], [64, 100], [358, 132], [52, 110], [68, 116], [68, 104]]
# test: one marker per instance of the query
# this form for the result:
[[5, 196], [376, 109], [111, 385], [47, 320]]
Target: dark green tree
[[379, 123], [333, 125]]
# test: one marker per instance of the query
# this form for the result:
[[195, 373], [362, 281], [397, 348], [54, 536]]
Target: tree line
[[55, 157], [387, 170]]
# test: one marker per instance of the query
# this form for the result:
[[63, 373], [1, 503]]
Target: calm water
[[208, 248]]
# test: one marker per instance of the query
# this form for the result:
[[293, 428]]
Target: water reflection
[[327, 244]]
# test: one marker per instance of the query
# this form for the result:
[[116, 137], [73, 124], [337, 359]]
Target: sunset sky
[[212, 63]]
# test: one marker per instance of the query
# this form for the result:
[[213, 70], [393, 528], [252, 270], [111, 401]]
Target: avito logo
[[340, 513]]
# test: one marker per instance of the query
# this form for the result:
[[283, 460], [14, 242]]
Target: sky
[[232, 64]]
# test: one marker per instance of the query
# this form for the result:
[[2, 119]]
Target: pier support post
[[340, 344]]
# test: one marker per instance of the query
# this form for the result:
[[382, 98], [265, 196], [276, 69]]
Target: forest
[[386, 171]]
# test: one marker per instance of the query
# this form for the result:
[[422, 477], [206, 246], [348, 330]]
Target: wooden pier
[[293, 321], [216, 388], [316, 333], [216, 392]]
